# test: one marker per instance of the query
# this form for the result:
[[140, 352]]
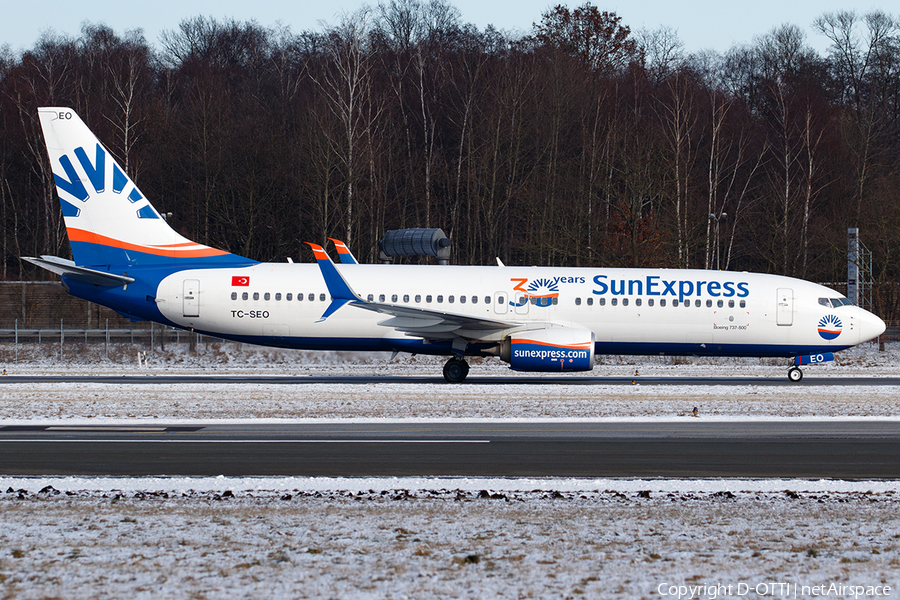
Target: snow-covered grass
[[177, 402], [394, 399], [233, 358], [443, 543]]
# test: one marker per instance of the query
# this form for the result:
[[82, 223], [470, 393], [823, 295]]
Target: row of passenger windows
[[266, 296], [428, 298], [662, 302]]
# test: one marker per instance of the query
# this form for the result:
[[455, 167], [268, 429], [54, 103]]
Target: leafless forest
[[582, 143]]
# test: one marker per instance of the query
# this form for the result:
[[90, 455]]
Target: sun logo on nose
[[830, 327]]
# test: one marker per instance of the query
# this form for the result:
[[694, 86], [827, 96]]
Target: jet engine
[[551, 349]]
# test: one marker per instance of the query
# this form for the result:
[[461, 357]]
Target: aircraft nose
[[870, 326]]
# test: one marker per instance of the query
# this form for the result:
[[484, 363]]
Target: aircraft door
[[784, 312], [521, 302], [191, 298], [501, 304]]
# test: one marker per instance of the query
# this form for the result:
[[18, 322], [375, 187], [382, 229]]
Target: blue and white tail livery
[[109, 221], [541, 319]]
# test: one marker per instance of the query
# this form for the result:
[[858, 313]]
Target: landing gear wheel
[[455, 370], [795, 374]]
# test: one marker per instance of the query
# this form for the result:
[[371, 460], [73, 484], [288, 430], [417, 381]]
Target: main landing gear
[[795, 374], [455, 370]]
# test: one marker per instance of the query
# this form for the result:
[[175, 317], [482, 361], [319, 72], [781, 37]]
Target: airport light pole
[[717, 218]]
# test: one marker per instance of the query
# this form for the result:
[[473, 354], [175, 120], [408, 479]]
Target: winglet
[[340, 291], [344, 253]]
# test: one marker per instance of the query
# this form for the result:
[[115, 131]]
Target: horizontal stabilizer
[[68, 268]]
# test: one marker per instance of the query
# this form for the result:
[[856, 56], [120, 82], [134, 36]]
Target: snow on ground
[[233, 358], [394, 399], [437, 538], [447, 543], [168, 402]]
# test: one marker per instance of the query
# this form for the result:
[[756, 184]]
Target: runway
[[417, 380], [689, 448]]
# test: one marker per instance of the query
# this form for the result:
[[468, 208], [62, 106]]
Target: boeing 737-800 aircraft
[[126, 257]]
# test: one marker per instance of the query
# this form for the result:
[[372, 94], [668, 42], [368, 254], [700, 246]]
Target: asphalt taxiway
[[862, 449]]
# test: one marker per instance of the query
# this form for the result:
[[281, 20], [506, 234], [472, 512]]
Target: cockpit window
[[834, 302]]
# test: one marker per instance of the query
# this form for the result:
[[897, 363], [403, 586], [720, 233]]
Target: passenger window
[[299, 297], [406, 297], [370, 298], [440, 299], [731, 304], [590, 301], [267, 296], [637, 302], [614, 301], [697, 303], [277, 296], [650, 302], [418, 298], [577, 301], [554, 301], [234, 295], [474, 299], [256, 295], [381, 297], [244, 296], [624, 301], [393, 297], [674, 302], [462, 299], [428, 298], [743, 304], [662, 302], [720, 303], [601, 301], [311, 297], [450, 299], [501, 300], [709, 304], [288, 296], [487, 299]]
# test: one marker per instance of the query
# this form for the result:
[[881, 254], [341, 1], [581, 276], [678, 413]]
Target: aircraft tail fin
[[110, 223], [340, 291], [344, 253]]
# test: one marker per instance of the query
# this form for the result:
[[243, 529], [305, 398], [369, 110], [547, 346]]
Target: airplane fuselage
[[630, 311]]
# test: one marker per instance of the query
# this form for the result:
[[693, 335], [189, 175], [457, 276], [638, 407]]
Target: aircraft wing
[[424, 322], [414, 321]]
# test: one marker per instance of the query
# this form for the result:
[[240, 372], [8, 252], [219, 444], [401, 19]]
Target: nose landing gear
[[455, 370]]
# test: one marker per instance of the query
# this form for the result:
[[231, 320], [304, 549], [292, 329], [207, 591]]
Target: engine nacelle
[[551, 349]]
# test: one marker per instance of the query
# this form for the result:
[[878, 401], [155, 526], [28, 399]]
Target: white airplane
[[545, 319]]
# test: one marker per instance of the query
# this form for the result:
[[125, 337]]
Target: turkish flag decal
[[240, 280]]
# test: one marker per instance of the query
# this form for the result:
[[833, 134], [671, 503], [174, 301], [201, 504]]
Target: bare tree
[[346, 83], [864, 62]]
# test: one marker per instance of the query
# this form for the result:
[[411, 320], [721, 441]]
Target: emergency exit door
[[191, 298], [784, 311]]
